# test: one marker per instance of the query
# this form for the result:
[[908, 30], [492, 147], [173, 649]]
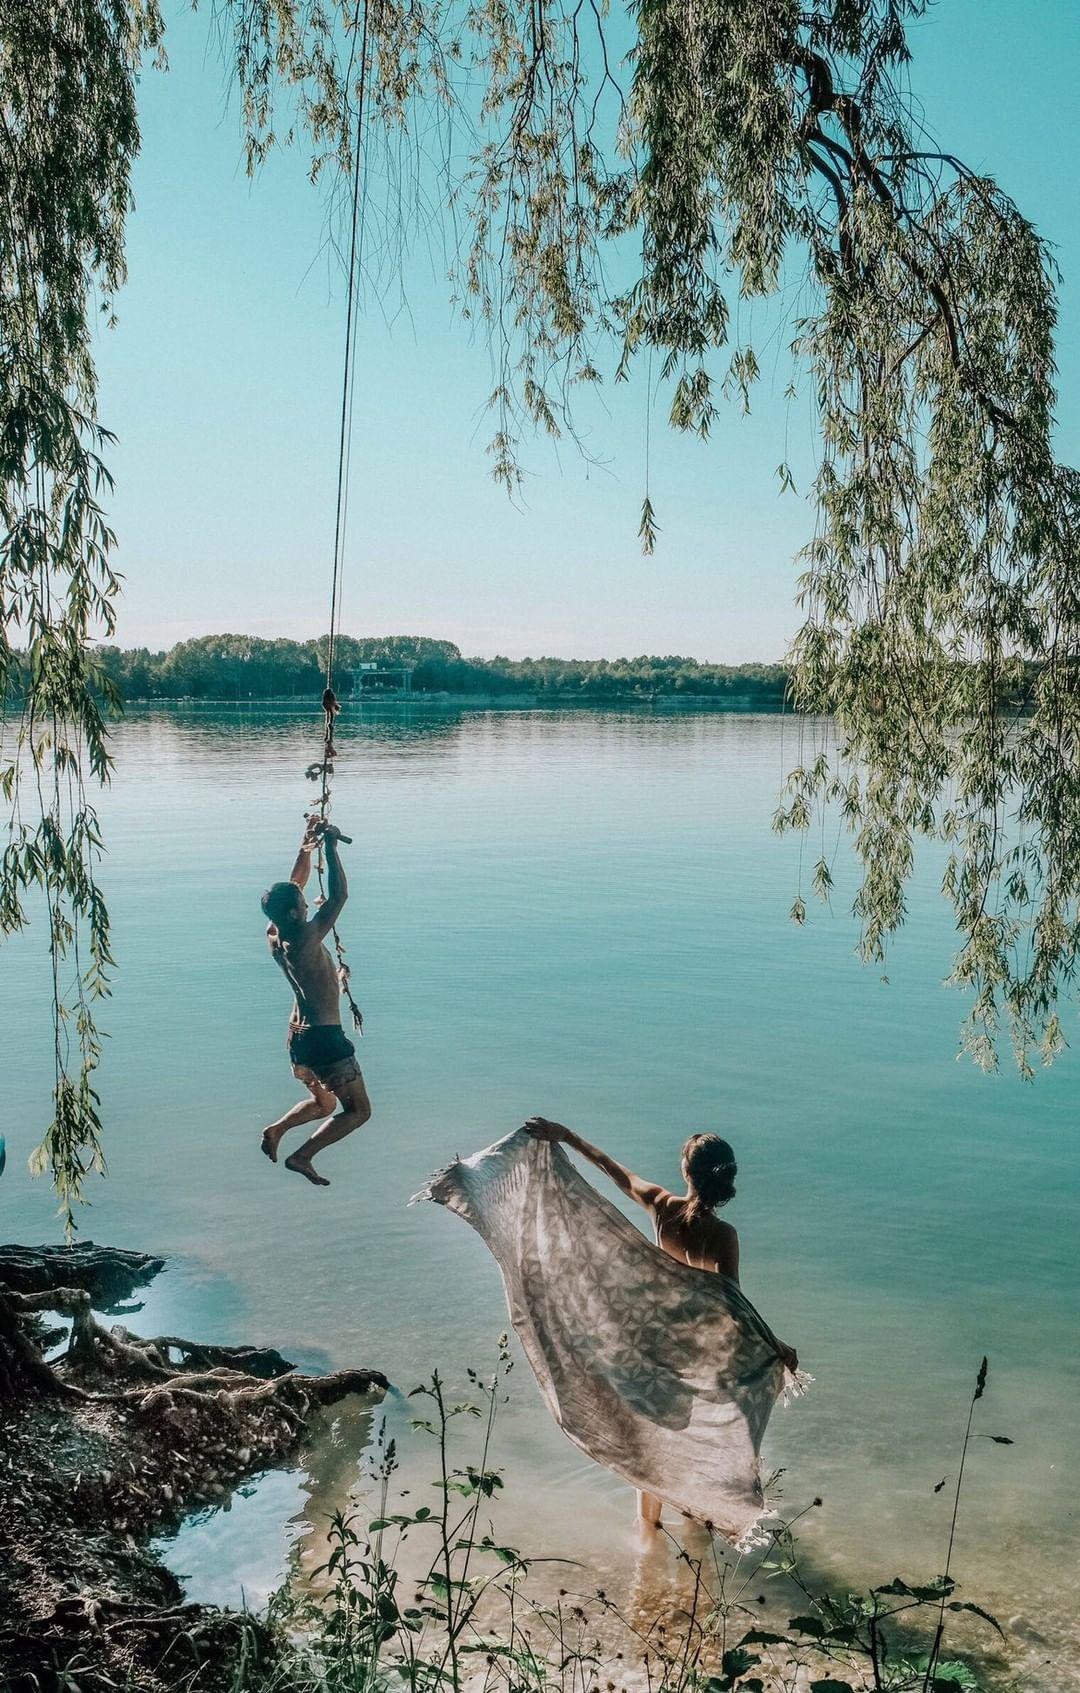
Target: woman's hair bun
[[710, 1170]]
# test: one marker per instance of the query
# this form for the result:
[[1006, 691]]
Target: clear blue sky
[[222, 377]]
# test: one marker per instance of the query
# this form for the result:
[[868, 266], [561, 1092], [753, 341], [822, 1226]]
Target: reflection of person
[[323, 1058], [685, 1224]]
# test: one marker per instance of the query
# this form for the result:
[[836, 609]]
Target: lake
[[581, 914]]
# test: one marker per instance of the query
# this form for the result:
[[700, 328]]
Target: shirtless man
[[322, 1057], [685, 1225]]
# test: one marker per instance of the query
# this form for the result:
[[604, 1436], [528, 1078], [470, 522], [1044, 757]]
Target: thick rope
[[323, 771]]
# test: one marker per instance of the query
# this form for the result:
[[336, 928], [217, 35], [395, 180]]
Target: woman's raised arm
[[642, 1192]]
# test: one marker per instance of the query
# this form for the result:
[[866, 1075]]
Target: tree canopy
[[242, 667], [618, 182]]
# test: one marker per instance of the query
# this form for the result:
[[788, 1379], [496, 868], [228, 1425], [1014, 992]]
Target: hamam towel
[[663, 1373]]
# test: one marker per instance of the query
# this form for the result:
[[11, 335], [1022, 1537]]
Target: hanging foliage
[[68, 134], [749, 142]]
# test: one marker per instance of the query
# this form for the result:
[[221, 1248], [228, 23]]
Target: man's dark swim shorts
[[325, 1050]]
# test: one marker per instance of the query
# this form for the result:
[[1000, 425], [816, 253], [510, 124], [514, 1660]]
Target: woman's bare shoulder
[[663, 1203]]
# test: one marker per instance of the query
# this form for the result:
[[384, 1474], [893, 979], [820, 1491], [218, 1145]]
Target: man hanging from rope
[[322, 1056]]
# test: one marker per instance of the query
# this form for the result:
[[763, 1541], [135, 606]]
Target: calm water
[[580, 914]]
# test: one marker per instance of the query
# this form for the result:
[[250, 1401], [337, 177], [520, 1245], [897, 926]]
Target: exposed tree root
[[108, 1273], [114, 1441]]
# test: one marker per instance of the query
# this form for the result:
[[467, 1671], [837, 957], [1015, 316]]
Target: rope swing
[[323, 770]]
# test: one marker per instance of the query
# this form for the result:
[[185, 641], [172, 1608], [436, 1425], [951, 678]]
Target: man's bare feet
[[269, 1144], [304, 1167]]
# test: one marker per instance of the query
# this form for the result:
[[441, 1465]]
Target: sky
[[222, 383]]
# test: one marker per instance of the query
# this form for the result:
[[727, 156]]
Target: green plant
[[472, 1618]]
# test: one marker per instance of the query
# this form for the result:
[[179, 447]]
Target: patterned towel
[[664, 1374]]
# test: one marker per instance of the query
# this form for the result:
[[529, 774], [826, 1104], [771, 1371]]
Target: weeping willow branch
[[67, 136]]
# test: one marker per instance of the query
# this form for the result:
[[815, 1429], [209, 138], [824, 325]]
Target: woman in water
[[686, 1226]]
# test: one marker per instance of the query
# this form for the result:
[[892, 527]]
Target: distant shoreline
[[229, 667], [353, 707]]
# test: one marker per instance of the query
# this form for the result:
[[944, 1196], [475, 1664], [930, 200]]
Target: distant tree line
[[238, 667], [241, 667]]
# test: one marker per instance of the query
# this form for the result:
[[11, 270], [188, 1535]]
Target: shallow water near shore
[[582, 914]]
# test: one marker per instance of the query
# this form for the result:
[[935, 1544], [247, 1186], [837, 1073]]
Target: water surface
[[582, 914]]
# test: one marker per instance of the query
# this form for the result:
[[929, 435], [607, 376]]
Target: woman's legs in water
[[649, 1510]]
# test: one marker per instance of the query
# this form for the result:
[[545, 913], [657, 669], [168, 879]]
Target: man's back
[[311, 973]]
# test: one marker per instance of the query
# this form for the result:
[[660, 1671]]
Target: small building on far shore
[[374, 677]]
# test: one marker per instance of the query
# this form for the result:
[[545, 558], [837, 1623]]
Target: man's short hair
[[279, 902]]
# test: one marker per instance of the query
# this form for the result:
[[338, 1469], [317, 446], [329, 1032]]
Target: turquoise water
[[581, 914]]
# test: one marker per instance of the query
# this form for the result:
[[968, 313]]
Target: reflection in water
[[240, 1552], [237, 1554], [190, 732], [340, 1471], [664, 1591], [682, 1574]]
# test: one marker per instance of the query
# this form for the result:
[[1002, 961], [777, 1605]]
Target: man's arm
[[337, 887], [642, 1192], [301, 870]]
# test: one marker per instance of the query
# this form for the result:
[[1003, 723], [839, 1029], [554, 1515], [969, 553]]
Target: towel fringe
[[436, 1182]]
